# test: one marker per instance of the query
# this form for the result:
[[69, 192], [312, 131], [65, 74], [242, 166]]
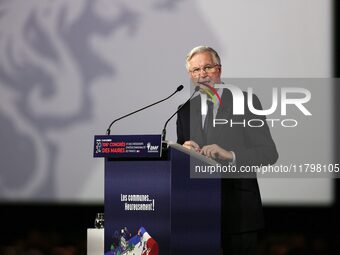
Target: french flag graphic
[[150, 246]]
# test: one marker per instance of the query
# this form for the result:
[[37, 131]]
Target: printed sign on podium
[[127, 146]]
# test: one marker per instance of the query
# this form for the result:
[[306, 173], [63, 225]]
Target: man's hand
[[216, 152], [191, 145]]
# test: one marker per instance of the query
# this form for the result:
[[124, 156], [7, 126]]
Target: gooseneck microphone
[[108, 131], [197, 88]]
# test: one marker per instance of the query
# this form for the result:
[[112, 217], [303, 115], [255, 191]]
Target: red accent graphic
[[213, 90]]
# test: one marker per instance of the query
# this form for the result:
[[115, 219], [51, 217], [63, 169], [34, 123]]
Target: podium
[[151, 203]]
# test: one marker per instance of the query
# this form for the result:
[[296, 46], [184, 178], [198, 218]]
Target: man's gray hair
[[201, 49]]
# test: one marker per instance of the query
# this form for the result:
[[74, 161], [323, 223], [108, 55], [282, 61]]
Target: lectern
[[152, 206]]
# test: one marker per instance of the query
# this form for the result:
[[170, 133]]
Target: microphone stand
[[164, 142], [108, 131]]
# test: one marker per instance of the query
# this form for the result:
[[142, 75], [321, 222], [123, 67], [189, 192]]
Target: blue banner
[[127, 146]]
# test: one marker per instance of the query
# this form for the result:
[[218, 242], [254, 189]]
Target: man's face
[[203, 69]]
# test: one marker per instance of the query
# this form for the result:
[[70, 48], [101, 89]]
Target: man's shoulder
[[194, 102]]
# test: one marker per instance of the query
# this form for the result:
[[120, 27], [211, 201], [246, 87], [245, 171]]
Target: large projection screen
[[68, 68]]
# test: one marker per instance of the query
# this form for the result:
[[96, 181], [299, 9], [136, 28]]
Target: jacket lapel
[[196, 132]]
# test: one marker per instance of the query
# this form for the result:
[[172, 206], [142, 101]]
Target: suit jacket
[[241, 200]]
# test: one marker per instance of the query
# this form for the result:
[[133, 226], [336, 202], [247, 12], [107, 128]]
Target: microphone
[[197, 88], [179, 88]]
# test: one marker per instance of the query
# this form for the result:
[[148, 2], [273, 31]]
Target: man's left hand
[[216, 152]]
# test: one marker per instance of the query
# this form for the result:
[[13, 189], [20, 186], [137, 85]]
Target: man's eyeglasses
[[206, 69]]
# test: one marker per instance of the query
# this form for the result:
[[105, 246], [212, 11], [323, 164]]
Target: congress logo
[[152, 148]]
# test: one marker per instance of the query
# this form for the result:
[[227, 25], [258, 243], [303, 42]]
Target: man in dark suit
[[238, 145]]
